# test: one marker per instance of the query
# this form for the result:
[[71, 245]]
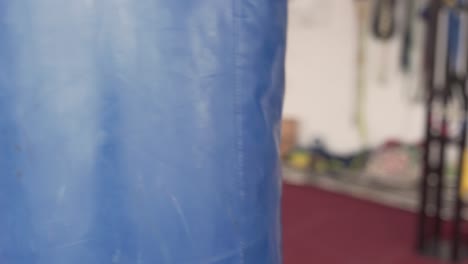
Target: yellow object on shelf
[[299, 160], [464, 175]]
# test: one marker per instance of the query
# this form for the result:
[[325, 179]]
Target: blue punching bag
[[140, 131]]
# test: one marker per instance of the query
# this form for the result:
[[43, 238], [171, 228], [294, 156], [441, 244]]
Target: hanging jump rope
[[411, 56], [383, 29], [362, 14], [408, 36]]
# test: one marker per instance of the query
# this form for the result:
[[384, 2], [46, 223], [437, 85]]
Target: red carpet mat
[[325, 228]]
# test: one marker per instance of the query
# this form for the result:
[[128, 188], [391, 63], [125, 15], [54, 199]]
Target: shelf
[[359, 187], [355, 186]]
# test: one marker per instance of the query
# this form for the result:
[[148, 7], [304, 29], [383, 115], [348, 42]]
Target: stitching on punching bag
[[239, 148]]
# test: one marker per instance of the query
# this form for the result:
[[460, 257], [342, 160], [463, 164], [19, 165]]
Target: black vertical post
[[431, 37], [461, 83], [459, 203], [440, 170], [433, 185], [444, 136]]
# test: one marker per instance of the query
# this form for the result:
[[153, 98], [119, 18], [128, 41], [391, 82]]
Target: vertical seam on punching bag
[[239, 148]]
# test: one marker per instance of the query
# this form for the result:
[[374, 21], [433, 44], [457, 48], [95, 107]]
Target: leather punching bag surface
[[140, 131]]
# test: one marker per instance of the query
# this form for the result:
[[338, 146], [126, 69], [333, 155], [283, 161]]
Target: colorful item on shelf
[[318, 159], [394, 165], [328, 162], [299, 159], [289, 134], [464, 180]]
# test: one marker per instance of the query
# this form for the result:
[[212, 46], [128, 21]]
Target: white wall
[[320, 85]]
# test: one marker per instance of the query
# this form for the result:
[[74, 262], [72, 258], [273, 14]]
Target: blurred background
[[374, 132]]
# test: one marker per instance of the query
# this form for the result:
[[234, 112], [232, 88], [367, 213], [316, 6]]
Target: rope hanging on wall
[[362, 14], [383, 29]]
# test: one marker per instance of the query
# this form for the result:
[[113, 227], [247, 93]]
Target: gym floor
[[322, 227]]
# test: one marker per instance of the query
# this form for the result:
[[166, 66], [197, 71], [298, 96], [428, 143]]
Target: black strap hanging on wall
[[383, 29], [384, 19], [411, 63], [407, 41]]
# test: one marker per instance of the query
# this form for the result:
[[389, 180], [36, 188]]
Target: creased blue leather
[[140, 131]]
